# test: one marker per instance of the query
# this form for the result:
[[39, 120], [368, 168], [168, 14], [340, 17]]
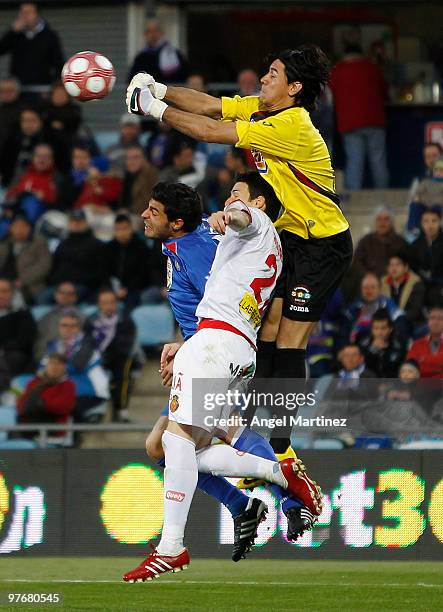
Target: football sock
[[263, 369], [252, 442], [180, 481], [222, 490], [288, 363], [223, 460], [225, 492]]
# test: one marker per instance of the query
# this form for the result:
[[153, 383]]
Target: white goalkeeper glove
[[143, 79], [140, 101]]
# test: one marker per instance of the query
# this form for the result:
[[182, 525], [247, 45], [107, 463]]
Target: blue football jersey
[[190, 259]]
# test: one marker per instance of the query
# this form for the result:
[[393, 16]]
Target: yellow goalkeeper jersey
[[291, 155]]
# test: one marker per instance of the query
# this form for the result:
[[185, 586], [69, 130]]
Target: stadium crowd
[[72, 246]]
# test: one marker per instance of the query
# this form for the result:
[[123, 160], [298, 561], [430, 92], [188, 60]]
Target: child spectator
[[383, 353]]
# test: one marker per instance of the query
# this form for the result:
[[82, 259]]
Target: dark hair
[[259, 187], [382, 314], [57, 357], [432, 211], [122, 218], [180, 202], [309, 65], [434, 144], [402, 256]]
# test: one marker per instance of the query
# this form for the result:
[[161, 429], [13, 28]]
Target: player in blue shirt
[[174, 216]]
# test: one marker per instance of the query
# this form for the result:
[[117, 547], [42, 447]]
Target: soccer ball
[[88, 76]]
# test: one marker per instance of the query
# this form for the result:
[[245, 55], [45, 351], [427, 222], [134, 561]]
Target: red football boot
[[301, 486], [156, 564]]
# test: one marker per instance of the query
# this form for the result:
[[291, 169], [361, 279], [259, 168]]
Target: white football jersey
[[244, 273]]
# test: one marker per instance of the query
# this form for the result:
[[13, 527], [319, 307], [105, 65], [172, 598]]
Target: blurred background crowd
[[79, 282]]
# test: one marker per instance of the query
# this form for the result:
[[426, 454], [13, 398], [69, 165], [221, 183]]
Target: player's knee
[[154, 448]]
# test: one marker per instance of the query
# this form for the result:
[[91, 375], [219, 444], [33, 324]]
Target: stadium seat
[[373, 442], [39, 311], [8, 416], [105, 139], [328, 444], [88, 309], [18, 383], [18, 444], [154, 323]]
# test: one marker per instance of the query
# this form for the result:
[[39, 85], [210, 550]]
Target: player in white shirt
[[242, 279]]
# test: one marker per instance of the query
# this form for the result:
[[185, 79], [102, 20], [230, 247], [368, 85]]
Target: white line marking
[[240, 582]]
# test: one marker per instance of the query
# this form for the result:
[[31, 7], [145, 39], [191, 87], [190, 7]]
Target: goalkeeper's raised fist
[[140, 101]]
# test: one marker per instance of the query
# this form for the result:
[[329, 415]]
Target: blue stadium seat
[[18, 444], [154, 323], [39, 311], [327, 444], [106, 138], [8, 416], [18, 383], [88, 309]]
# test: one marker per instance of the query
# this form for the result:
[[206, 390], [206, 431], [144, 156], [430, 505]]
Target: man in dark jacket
[[11, 106], [17, 335], [114, 336], [405, 288], [79, 259], [426, 256], [382, 352], [131, 265], [159, 57], [35, 49]]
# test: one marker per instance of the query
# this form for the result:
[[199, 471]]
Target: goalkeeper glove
[[143, 79], [140, 101]]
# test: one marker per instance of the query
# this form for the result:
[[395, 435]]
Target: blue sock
[[251, 442], [222, 490]]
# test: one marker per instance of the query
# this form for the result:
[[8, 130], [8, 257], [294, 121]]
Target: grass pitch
[[91, 583]]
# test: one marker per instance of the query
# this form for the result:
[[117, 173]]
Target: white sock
[[180, 481], [223, 460]]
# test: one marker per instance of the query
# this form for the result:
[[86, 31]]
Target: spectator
[[163, 144], [138, 180], [25, 259], [37, 188], [72, 185], [374, 249], [35, 49], [17, 335], [197, 82], [17, 150], [247, 83], [49, 397], [405, 288], [347, 386], [428, 195], [114, 336], [84, 364], [131, 265], [66, 299], [360, 92], [129, 137], [359, 314], [426, 256], [428, 351], [183, 169], [62, 114], [79, 258], [216, 186], [383, 353], [11, 106], [159, 57]]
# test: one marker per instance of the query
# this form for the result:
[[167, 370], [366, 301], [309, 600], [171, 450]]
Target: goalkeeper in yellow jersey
[[292, 157]]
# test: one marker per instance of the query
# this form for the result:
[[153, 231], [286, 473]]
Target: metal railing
[[43, 439]]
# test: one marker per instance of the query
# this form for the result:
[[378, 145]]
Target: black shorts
[[313, 269]]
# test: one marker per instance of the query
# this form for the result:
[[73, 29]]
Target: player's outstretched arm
[[236, 219], [182, 98], [193, 101]]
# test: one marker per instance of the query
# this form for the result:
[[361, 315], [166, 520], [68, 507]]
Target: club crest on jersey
[[259, 161], [174, 404]]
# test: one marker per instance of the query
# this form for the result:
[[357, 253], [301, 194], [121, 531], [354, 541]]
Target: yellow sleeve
[[275, 136], [238, 108]]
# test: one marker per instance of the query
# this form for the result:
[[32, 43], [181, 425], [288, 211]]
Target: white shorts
[[211, 363]]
